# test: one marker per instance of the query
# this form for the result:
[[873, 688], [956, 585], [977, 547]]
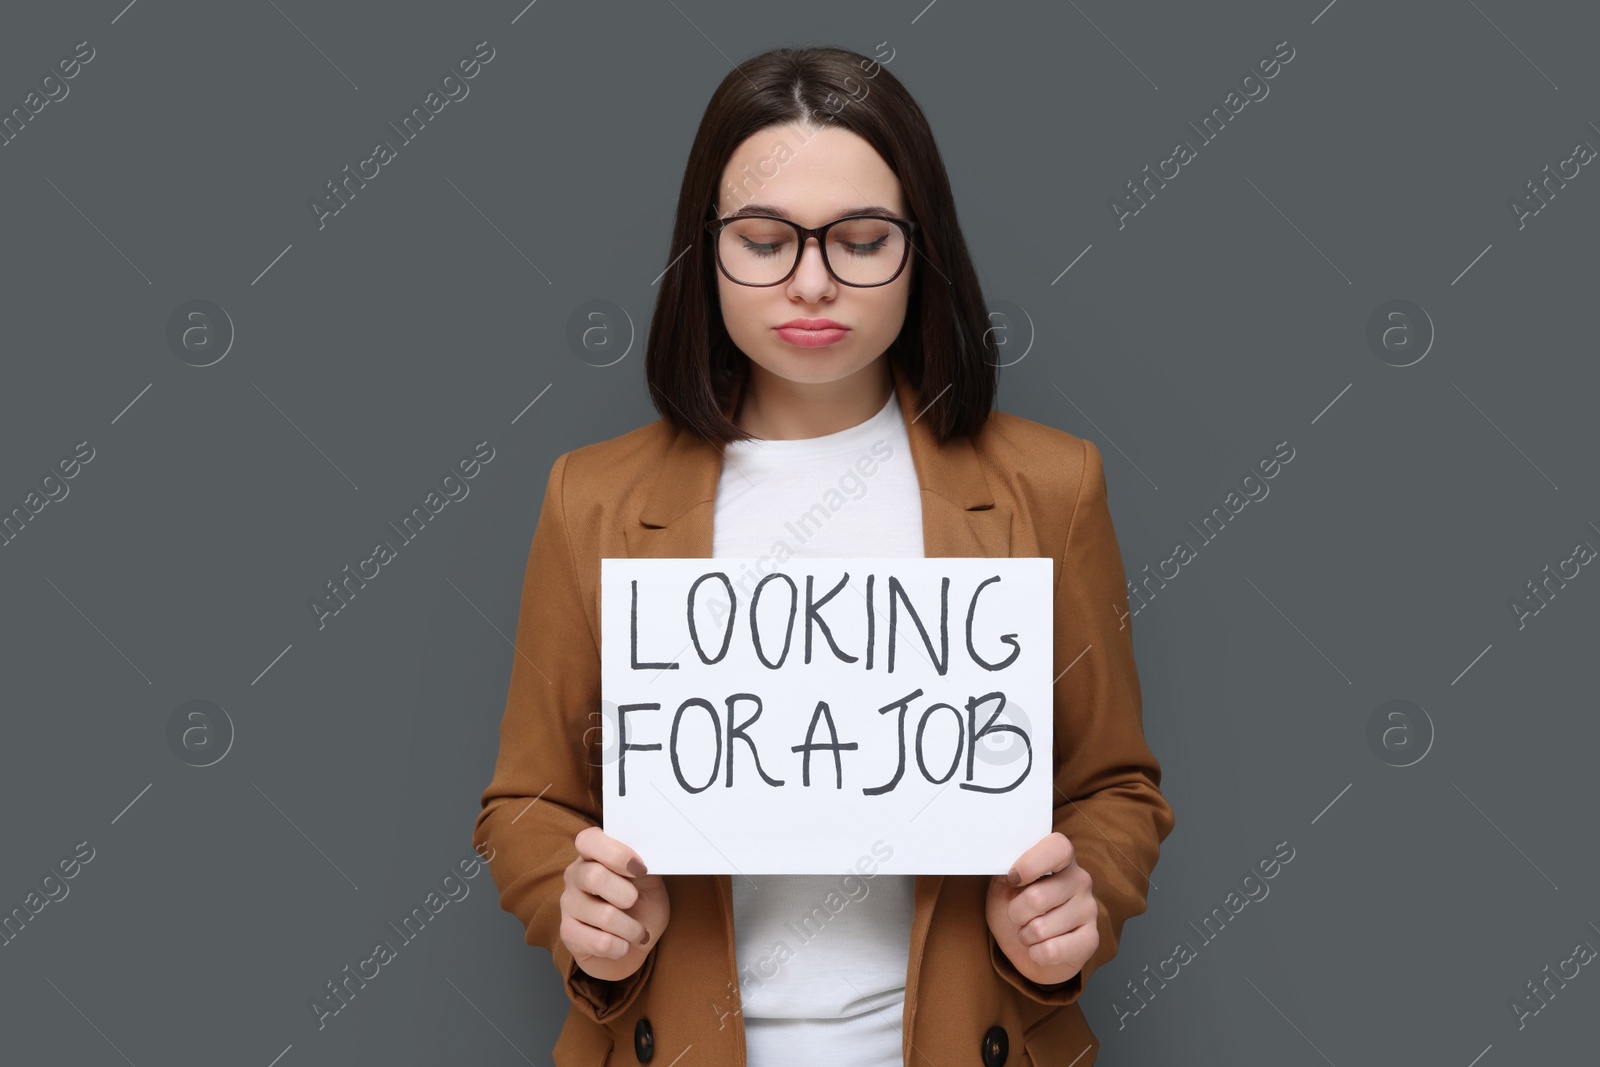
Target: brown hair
[[691, 364]]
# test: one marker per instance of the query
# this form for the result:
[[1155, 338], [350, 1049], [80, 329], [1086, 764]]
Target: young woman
[[821, 316]]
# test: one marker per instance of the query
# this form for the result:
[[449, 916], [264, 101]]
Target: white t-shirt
[[822, 958]]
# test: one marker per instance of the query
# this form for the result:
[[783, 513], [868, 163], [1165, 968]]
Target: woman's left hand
[[1043, 913]]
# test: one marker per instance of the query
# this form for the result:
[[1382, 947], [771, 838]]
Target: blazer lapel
[[960, 517]]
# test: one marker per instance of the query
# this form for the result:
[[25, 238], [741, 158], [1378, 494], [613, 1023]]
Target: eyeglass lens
[[762, 251]]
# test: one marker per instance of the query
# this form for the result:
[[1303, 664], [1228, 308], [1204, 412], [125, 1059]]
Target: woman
[[845, 317]]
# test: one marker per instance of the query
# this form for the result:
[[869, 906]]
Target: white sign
[[769, 722]]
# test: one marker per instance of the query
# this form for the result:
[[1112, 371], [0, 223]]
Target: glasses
[[858, 250]]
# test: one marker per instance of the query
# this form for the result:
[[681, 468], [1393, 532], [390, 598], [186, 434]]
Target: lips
[[812, 324], [812, 333]]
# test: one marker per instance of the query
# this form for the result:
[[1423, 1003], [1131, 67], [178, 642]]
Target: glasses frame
[[715, 227]]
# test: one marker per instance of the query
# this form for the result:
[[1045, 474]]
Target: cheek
[[739, 308], [888, 311]]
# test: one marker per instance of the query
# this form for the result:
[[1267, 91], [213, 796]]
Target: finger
[[1075, 945], [585, 940], [594, 844], [601, 881], [1052, 853], [1043, 894], [602, 915], [1064, 918]]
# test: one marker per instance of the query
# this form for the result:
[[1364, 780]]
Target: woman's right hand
[[612, 911]]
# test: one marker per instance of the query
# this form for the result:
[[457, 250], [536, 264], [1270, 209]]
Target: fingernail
[[1013, 877], [644, 940], [636, 868]]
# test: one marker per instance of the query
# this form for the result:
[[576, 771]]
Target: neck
[[776, 409]]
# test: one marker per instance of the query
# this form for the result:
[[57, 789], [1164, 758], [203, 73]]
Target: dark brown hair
[[692, 365]]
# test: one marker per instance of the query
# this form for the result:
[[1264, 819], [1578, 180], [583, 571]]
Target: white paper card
[[769, 722]]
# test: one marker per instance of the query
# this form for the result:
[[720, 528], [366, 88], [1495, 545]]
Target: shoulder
[[636, 451], [1047, 464], [1025, 440], [611, 471], [1051, 476]]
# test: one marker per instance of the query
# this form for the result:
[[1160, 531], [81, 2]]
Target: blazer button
[[644, 1040], [995, 1046]]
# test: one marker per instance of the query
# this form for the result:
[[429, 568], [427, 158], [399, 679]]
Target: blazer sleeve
[[545, 786], [1107, 793]]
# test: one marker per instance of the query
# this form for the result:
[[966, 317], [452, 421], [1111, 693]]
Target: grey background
[[1228, 315]]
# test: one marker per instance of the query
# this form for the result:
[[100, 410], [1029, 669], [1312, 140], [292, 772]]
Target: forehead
[[810, 174]]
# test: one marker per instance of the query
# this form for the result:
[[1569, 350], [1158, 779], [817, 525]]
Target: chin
[[814, 366]]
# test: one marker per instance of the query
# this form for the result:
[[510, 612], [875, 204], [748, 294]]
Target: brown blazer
[[1019, 488]]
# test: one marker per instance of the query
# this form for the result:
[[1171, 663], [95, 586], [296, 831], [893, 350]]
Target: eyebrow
[[772, 209]]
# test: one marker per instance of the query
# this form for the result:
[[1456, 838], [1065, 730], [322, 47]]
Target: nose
[[811, 278]]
